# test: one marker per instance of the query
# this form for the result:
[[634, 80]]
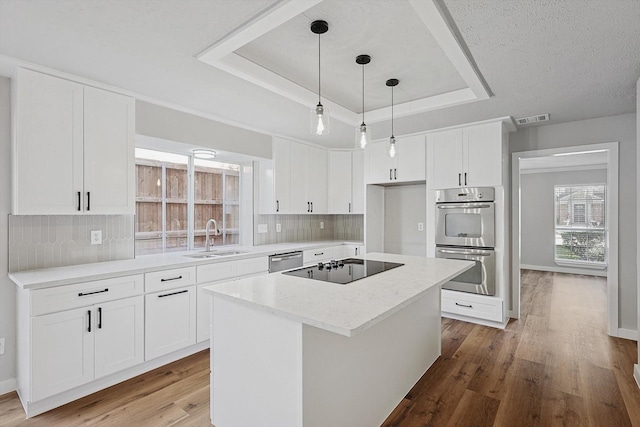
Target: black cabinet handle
[[395, 174], [79, 200], [390, 174], [321, 253], [88, 200], [277, 205], [311, 206], [349, 207], [463, 305], [173, 293], [89, 315], [465, 178], [308, 207], [170, 279], [84, 294], [99, 317], [459, 179]]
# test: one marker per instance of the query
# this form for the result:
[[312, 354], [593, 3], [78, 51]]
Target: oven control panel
[[467, 194]]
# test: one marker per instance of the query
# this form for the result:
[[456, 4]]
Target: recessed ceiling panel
[[391, 32]]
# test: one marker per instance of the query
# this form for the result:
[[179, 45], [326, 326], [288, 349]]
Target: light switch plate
[[262, 228], [96, 237], [321, 225], [420, 226], [278, 228], [1, 346]]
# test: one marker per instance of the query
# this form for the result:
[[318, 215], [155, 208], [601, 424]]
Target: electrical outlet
[[262, 228], [420, 226], [96, 237], [321, 225], [1, 346], [278, 228]]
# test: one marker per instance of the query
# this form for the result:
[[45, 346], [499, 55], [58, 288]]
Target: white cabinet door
[[170, 321], [380, 164], [203, 321], [119, 332], [61, 351], [411, 159], [282, 175], [109, 159], [317, 182], [48, 145], [340, 186], [299, 173], [447, 158], [482, 159], [357, 182]]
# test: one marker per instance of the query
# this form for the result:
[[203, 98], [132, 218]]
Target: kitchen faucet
[[216, 232]]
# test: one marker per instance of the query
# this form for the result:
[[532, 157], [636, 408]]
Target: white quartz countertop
[[50, 277], [343, 309]]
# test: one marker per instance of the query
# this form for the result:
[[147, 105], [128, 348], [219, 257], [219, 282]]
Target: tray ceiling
[[407, 39]]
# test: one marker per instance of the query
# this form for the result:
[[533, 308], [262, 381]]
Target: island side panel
[[358, 381], [255, 367]]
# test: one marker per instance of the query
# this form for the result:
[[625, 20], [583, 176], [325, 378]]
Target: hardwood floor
[[554, 366]]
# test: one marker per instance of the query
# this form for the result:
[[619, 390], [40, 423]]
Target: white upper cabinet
[[340, 182], [308, 179], [73, 148], [274, 180], [409, 165], [467, 156], [357, 182]]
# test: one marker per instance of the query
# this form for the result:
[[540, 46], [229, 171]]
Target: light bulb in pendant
[[363, 135], [319, 116]]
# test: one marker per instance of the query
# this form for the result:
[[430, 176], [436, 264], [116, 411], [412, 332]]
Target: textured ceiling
[[573, 59]]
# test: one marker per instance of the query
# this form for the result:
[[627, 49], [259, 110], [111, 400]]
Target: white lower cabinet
[[170, 321], [74, 347], [472, 305]]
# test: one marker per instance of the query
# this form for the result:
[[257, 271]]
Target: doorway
[[609, 152]]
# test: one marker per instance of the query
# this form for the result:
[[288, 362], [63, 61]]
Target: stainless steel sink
[[216, 254]]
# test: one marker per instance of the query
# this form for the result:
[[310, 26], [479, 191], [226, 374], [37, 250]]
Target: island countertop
[[343, 309]]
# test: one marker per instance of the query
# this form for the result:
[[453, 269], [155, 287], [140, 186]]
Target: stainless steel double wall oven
[[465, 229]]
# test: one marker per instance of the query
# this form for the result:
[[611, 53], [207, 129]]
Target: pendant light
[[363, 134], [392, 141], [320, 114]]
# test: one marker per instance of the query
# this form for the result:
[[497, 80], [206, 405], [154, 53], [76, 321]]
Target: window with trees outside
[[580, 227], [175, 197]]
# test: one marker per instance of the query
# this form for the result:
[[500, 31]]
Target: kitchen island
[[291, 351]]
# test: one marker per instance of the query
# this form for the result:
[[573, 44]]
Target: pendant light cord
[[363, 93], [392, 111], [319, 69]]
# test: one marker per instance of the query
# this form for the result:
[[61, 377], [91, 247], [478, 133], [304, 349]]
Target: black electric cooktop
[[343, 271]]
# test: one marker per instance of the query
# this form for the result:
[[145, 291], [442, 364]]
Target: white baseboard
[[636, 374], [628, 334], [567, 270], [7, 386]]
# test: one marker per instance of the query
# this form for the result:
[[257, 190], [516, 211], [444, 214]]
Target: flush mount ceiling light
[[392, 141], [320, 114], [201, 153], [363, 134]]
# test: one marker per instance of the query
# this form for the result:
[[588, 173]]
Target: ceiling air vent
[[533, 119]]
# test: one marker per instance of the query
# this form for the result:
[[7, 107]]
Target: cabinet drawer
[[313, 256], [217, 271], [87, 293], [478, 306], [169, 279], [251, 266]]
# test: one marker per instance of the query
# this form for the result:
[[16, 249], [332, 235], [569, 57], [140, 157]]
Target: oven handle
[[448, 251], [465, 205]]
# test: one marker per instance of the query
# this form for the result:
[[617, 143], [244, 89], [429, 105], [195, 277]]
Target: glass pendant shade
[[392, 147], [363, 136], [319, 120]]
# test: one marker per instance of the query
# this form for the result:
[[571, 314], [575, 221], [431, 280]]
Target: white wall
[[404, 207], [620, 128], [7, 289], [537, 241]]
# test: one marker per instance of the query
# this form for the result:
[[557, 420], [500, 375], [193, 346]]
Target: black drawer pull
[[173, 293], [173, 278], [321, 253], [84, 294], [464, 305]]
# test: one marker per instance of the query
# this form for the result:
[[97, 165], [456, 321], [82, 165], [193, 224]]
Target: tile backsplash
[[306, 228], [43, 241]]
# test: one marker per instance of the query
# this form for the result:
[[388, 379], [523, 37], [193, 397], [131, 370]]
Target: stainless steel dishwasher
[[286, 261]]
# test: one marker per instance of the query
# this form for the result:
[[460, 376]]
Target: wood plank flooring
[[555, 366]]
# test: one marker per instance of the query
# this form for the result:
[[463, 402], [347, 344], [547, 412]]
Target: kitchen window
[[580, 226], [175, 197]]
